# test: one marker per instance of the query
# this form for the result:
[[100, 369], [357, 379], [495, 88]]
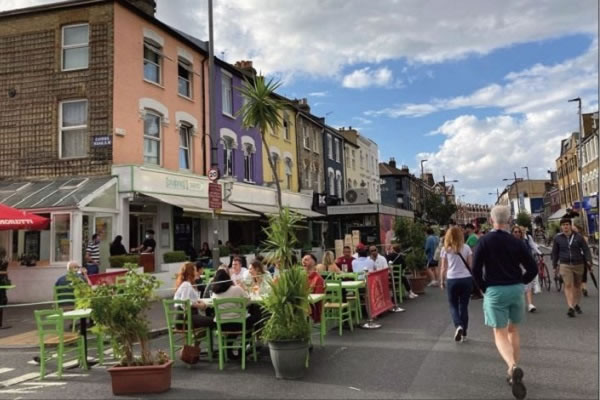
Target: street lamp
[[445, 181], [517, 189], [423, 187], [527, 170], [580, 162]]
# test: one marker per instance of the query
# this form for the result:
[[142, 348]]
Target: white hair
[[500, 215], [71, 265]]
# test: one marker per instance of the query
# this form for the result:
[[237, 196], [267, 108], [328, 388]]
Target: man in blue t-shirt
[[431, 244]]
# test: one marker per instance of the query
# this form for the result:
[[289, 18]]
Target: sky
[[479, 89]]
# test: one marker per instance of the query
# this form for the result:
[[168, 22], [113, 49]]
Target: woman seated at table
[[328, 264], [223, 288], [315, 282], [258, 279], [186, 291]]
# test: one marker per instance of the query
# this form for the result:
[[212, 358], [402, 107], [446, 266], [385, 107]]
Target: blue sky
[[479, 88]]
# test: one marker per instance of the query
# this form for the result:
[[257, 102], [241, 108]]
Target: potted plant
[[28, 260], [411, 235], [121, 311], [287, 330]]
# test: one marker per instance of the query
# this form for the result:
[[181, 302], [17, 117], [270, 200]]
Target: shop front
[[77, 208]]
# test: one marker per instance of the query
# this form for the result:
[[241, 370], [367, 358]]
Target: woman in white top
[[456, 276], [258, 279], [224, 288], [186, 291]]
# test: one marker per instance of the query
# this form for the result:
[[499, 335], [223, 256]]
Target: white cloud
[[318, 94], [536, 88], [366, 77], [362, 120]]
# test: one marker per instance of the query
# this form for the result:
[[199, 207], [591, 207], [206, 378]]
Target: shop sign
[[101, 141], [215, 197], [183, 184]]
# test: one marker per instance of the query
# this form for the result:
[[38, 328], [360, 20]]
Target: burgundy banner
[[378, 289], [108, 278]]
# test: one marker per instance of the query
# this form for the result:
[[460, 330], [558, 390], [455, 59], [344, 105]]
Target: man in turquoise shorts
[[497, 270]]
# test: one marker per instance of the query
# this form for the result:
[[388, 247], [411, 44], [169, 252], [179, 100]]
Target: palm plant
[[261, 109], [281, 237]]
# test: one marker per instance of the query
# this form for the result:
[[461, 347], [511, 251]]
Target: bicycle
[[544, 273]]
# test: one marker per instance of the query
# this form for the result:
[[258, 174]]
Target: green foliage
[[411, 236], [247, 249], [120, 261], [175, 256], [523, 219], [553, 228], [224, 251], [281, 237], [121, 311], [437, 211], [288, 307]]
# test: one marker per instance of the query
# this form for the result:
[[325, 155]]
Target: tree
[[523, 219], [437, 211], [261, 109]]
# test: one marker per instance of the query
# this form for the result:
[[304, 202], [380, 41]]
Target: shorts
[[504, 304], [432, 264], [571, 274]]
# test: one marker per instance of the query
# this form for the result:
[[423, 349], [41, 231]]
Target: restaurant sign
[[215, 197]]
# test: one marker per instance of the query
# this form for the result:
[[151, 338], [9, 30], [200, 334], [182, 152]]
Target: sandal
[[516, 381]]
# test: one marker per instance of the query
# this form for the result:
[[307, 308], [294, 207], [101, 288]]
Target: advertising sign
[[378, 289], [215, 197]]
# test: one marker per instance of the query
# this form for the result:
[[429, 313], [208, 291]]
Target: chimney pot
[[147, 6]]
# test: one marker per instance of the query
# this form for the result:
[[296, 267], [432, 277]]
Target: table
[[257, 299], [4, 287], [81, 314], [349, 284]]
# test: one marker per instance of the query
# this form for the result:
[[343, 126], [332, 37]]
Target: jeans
[[459, 294]]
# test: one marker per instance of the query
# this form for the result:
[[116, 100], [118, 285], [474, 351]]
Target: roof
[[386, 170], [67, 192]]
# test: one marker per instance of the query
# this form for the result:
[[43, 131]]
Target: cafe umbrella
[[14, 219]]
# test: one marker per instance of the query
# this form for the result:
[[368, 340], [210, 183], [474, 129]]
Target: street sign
[[213, 174], [215, 197], [101, 141]]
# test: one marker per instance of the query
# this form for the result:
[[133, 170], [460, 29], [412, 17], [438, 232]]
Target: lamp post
[[516, 188], [444, 183], [580, 162], [526, 170], [423, 187]]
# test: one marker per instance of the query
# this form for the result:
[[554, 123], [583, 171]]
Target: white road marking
[[3, 370], [17, 391], [42, 383], [19, 379]]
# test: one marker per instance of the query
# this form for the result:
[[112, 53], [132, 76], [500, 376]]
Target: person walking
[[455, 275], [471, 237], [519, 234], [569, 252], [497, 262], [116, 247], [431, 243], [92, 255]]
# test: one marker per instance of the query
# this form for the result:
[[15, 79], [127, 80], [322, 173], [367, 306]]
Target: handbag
[[477, 293], [190, 354]]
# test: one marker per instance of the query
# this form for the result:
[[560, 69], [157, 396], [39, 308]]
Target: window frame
[[228, 155], [330, 146], [157, 49], [249, 163], [288, 165], [306, 137], [286, 129], [72, 46], [70, 128], [227, 75], [159, 139], [189, 148], [186, 65], [338, 150]]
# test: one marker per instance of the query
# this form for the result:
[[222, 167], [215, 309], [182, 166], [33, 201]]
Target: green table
[[5, 287], [81, 314]]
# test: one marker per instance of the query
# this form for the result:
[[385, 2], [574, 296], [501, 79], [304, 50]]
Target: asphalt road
[[412, 356]]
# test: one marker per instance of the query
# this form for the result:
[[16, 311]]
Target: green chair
[[334, 308], [50, 327], [352, 295], [121, 279], [175, 316], [226, 339], [64, 297], [209, 273], [397, 271]]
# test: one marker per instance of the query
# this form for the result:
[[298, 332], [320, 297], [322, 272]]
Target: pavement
[[413, 356]]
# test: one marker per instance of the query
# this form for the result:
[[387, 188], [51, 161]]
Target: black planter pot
[[289, 358]]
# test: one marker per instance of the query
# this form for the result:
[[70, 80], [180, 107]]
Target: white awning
[[558, 214]]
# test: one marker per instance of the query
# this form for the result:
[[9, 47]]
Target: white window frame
[[288, 165], [189, 68], [157, 49], [73, 46], [61, 128], [159, 139], [330, 146], [226, 75], [249, 151], [338, 150], [286, 129], [53, 243], [306, 137], [228, 154], [315, 142], [189, 134], [331, 179]]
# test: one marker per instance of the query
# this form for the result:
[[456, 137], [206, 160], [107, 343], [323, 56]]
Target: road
[[412, 356]]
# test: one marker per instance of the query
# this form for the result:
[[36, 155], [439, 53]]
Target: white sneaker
[[458, 335], [463, 339], [412, 295], [433, 283], [531, 308]]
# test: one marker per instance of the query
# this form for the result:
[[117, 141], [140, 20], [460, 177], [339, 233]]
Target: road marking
[[55, 375], [3, 370], [40, 383], [17, 391], [19, 379]]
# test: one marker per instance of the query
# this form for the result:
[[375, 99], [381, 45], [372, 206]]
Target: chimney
[[302, 104], [246, 65], [392, 162], [147, 6]]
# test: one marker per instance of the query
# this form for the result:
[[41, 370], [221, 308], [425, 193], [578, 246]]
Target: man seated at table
[[315, 282], [238, 273], [378, 259], [345, 260], [363, 264], [81, 273]]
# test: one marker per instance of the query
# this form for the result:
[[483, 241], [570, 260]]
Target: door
[[103, 226]]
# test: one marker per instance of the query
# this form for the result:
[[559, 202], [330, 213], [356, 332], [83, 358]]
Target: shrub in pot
[[120, 261], [288, 329], [175, 257], [120, 310], [411, 235]]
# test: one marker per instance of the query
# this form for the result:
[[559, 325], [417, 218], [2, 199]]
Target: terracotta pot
[[417, 284], [146, 379]]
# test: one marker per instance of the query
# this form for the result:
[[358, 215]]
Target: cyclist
[[570, 251]]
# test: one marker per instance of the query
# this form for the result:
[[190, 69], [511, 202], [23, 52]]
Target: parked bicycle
[[544, 273]]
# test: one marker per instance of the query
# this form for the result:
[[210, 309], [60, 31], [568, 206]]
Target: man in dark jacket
[[497, 270], [570, 251]]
